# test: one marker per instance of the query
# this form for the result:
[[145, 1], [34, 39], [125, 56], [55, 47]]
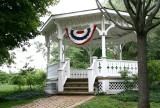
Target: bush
[[127, 96], [4, 77], [18, 80], [130, 81], [132, 96], [154, 74], [29, 94]]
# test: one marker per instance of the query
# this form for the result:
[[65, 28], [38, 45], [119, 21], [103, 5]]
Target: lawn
[[11, 96], [10, 104], [108, 102]]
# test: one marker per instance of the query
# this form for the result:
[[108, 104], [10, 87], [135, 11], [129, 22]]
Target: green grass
[[7, 88], [132, 96], [15, 103], [107, 102], [10, 95]]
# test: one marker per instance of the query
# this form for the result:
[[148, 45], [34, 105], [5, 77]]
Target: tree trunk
[[143, 101]]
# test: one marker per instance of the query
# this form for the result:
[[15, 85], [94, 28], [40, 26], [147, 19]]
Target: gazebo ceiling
[[83, 19]]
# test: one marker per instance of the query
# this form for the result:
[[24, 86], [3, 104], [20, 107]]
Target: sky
[[37, 60], [65, 6]]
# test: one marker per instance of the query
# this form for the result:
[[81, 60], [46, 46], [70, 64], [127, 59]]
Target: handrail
[[92, 74], [63, 74], [52, 71]]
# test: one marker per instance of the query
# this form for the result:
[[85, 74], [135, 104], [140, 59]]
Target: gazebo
[[88, 29]]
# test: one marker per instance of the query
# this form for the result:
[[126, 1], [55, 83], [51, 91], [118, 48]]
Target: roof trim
[[76, 13]]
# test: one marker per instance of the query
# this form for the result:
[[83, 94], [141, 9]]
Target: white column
[[90, 53], [60, 47], [48, 54], [103, 46], [60, 44], [103, 39], [120, 53], [47, 39]]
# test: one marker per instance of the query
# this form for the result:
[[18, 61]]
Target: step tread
[[76, 83], [76, 78], [75, 87], [74, 93]]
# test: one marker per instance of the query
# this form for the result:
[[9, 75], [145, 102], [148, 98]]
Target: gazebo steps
[[75, 93], [76, 86]]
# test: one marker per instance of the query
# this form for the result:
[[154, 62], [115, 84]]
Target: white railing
[[113, 67], [63, 74], [79, 73], [52, 71], [92, 74]]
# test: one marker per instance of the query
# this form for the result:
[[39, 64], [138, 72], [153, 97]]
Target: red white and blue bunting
[[81, 37]]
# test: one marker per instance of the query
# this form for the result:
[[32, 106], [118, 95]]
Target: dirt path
[[57, 102]]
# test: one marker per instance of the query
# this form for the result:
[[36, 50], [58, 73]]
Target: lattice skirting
[[112, 86], [51, 88], [100, 90], [119, 86], [116, 86]]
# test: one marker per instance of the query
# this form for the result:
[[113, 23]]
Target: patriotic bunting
[[81, 37]]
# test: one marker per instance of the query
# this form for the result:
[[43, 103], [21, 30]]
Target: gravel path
[[57, 102]]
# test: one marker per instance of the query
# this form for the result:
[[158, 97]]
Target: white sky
[[64, 6]]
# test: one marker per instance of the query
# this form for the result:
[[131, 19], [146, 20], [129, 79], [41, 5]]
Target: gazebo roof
[[83, 19]]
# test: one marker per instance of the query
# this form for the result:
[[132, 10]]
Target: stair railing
[[52, 72], [63, 74], [92, 74]]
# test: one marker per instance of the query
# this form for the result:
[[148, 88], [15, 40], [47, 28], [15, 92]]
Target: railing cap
[[67, 58], [94, 57]]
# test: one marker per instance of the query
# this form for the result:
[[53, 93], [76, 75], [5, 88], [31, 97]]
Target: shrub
[[29, 94], [129, 80], [18, 80], [127, 96], [153, 68], [132, 96], [4, 77]]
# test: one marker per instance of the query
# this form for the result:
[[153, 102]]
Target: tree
[[4, 77], [142, 20], [18, 80], [153, 45], [19, 20]]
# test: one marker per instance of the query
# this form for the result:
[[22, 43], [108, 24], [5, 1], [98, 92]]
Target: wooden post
[[47, 39], [103, 39]]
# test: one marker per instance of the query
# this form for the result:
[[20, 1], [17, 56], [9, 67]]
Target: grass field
[[107, 102], [15, 103], [9, 90]]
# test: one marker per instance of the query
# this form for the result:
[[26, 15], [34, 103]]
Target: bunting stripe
[[81, 37]]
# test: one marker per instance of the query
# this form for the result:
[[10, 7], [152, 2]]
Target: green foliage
[[28, 94], [126, 96], [4, 77], [119, 5], [132, 96], [17, 80], [154, 73], [79, 57], [130, 51], [19, 20], [153, 44], [11, 93], [33, 77], [115, 102], [106, 102], [130, 81]]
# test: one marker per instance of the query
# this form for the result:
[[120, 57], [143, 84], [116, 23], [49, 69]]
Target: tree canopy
[[19, 20]]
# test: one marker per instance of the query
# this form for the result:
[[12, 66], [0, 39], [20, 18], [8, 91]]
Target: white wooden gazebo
[[104, 71]]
